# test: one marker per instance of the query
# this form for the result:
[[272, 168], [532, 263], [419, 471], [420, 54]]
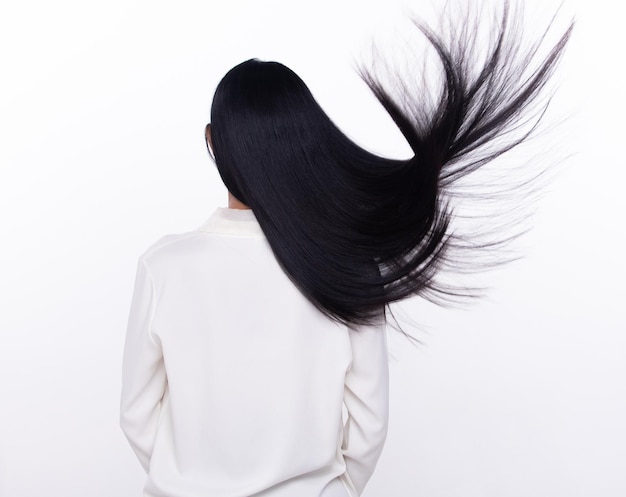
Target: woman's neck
[[234, 203]]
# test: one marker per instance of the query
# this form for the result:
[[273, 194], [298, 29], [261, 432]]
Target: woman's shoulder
[[170, 246], [167, 242]]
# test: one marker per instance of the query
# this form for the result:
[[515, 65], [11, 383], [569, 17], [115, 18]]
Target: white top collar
[[232, 222]]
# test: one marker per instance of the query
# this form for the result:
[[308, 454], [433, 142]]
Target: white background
[[102, 110]]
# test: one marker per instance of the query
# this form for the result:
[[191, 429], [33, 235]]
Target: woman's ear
[[209, 142]]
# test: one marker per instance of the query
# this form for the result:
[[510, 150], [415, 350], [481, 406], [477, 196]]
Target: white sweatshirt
[[233, 382]]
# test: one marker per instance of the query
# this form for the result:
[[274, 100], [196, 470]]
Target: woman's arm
[[143, 372], [366, 397]]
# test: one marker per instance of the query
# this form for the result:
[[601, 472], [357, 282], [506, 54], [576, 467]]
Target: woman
[[256, 361]]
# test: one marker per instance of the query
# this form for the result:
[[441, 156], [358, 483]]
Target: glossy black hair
[[353, 230]]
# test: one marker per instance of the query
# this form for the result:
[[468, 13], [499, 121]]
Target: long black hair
[[353, 230]]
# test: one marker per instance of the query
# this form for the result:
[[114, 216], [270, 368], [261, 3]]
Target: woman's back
[[252, 375]]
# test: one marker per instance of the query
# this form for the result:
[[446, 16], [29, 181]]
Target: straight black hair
[[355, 231]]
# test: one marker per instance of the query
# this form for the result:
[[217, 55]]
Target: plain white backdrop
[[102, 111]]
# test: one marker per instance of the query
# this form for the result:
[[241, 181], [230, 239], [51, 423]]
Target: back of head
[[263, 117]]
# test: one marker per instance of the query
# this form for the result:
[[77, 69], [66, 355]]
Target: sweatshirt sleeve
[[366, 398], [143, 372]]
